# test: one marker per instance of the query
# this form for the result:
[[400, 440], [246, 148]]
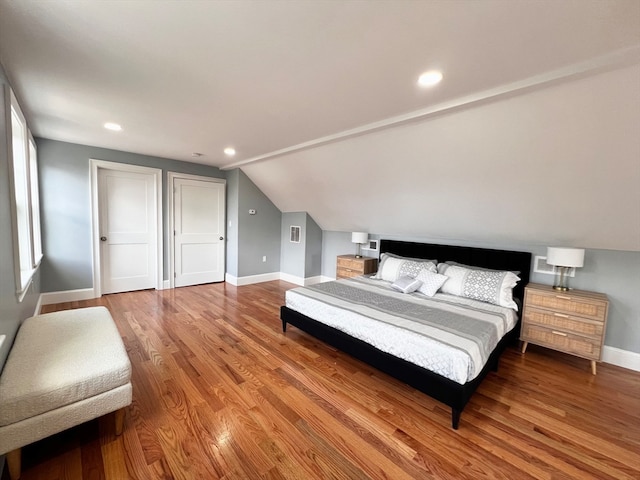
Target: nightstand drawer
[[564, 322], [590, 308], [351, 263], [347, 272], [581, 346]]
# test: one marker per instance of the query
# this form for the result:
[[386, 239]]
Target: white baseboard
[[268, 277], [166, 285], [313, 280], [621, 358], [287, 277], [50, 298], [300, 280], [36, 311], [239, 281]]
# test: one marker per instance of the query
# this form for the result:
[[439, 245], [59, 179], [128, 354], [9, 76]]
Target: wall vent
[[294, 234]]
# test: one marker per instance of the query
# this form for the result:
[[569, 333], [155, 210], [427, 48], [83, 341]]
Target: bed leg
[[495, 365], [455, 418], [284, 325]]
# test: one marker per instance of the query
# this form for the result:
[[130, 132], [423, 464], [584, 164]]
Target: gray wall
[[65, 186], [293, 254], [12, 312], [65, 178], [304, 259], [233, 196], [615, 273], [259, 234], [312, 249]]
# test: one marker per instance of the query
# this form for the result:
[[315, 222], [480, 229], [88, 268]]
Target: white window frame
[[25, 200], [34, 190]]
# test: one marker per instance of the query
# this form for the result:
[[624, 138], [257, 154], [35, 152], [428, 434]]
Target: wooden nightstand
[[349, 266], [572, 322]]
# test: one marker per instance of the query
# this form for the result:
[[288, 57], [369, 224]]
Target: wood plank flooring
[[219, 392]]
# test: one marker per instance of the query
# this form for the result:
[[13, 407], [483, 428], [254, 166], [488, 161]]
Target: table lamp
[[564, 258], [359, 238]]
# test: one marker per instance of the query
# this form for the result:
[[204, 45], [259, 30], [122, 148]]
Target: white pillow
[[450, 263], [484, 285], [431, 282], [406, 284], [392, 267]]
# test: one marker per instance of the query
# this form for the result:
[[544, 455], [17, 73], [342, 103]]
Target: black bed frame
[[442, 389]]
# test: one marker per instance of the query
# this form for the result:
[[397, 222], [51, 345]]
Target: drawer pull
[[561, 315], [562, 334], [563, 297]]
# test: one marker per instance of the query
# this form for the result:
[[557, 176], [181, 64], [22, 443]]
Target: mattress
[[448, 335]]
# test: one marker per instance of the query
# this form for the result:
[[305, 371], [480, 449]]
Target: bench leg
[[14, 459], [119, 421]]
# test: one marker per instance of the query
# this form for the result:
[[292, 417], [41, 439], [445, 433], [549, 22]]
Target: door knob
[[103, 239], [221, 238]]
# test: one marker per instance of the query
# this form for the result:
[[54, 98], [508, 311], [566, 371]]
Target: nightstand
[[573, 322], [348, 266]]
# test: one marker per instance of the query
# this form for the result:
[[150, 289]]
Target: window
[[27, 244]]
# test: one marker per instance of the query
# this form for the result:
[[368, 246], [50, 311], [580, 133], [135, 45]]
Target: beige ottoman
[[64, 369]]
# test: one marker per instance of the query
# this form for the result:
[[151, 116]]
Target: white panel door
[[128, 246], [199, 219]]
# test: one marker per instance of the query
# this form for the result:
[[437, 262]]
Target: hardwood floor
[[219, 392]]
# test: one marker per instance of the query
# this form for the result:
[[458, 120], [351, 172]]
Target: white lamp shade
[[360, 237], [565, 257]]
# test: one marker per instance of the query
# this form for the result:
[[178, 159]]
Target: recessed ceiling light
[[112, 126], [229, 151], [430, 78]]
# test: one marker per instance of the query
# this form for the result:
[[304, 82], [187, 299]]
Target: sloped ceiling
[[531, 136], [558, 166]]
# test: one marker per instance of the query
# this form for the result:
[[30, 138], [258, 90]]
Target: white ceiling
[[265, 76]]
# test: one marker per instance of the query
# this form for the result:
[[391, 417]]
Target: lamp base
[[561, 281]]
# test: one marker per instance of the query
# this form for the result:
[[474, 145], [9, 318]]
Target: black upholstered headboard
[[481, 257]]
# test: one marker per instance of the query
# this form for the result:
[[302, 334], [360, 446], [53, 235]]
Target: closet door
[[128, 230], [199, 231]]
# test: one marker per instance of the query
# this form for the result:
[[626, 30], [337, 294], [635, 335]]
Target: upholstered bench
[[65, 368]]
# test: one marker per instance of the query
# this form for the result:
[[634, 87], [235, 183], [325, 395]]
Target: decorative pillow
[[406, 284], [431, 282], [393, 267], [484, 285]]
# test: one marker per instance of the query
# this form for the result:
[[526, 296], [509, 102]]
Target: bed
[[443, 387]]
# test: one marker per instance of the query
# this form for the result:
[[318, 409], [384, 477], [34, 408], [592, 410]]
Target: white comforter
[[436, 333]]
